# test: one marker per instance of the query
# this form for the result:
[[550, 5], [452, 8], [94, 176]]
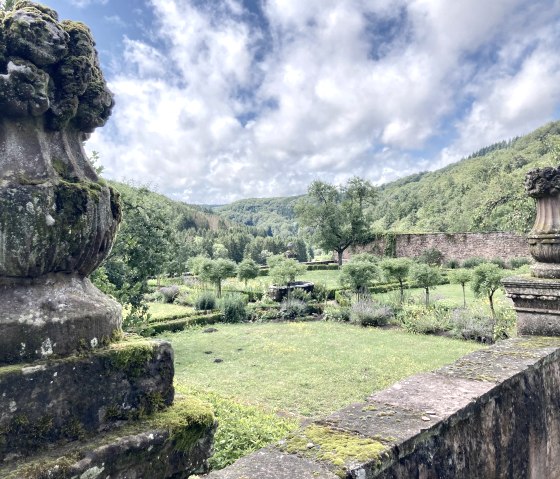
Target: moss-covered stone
[[62, 77], [336, 447]]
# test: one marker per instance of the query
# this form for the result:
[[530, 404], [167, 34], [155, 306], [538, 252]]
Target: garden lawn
[[304, 368], [164, 311]]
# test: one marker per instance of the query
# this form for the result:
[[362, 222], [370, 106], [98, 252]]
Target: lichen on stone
[[50, 67], [336, 447]]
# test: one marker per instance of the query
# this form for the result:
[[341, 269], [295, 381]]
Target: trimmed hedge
[[179, 324], [322, 267]]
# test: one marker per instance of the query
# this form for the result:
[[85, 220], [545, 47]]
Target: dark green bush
[[499, 262], [234, 308], [205, 300], [473, 262], [431, 256], [453, 264], [515, 263]]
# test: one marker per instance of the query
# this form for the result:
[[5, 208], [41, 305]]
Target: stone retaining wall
[[493, 414], [457, 246]]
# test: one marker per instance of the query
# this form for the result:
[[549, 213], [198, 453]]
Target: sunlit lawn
[[307, 369], [160, 311]]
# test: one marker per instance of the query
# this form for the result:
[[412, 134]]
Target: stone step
[[65, 399], [174, 443]]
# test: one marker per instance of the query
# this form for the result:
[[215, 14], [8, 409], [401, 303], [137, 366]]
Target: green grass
[[327, 277], [306, 369], [161, 311], [450, 293]]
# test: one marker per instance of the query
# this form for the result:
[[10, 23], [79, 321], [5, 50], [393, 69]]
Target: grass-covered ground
[[306, 369], [272, 375]]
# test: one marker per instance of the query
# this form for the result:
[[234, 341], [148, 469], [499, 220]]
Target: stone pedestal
[[537, 303]]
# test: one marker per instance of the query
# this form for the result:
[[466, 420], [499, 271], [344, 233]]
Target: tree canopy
[[337, 216]]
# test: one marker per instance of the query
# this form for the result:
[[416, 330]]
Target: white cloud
[[327, 89]]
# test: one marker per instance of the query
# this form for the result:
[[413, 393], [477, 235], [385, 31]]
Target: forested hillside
[[483, 192], [276, 215]]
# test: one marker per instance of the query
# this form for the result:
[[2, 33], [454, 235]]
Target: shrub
[[336, 313], [367, 312], [155, 297], [515, 263], [360, 272], [343, 297], [425, 276], [169, 293], [184, 299], [431, 256], [473, 262], [499, 262], [422, 319], [234, 308], [292, 308], [474, 324], [205, 300], [452, 264]]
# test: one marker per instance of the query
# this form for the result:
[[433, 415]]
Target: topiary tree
[[247, 269], [425, 276], [284, 270], [359, 272], [215, 271], [397, 269], [460, 276], [486, 280]]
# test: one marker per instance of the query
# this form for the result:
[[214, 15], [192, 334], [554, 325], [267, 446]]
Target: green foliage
[[337, 217], [431, 256], [425, 276], [397, 269], [476, 324], [234, 308], [462, 277], [284, 270], [471, 263], [242, 428], [343, 298], [360, 272], [215, 271], [205, 301], [470, 195], [367, 312], [337, 313], [486, 280], [516, 263], [247, 269], [421, 319]]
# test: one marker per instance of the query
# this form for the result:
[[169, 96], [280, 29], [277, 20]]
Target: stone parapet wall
[[494, 414], [453, 246]]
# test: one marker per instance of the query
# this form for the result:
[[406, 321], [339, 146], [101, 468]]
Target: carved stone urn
[[58, 220], [543, 184]]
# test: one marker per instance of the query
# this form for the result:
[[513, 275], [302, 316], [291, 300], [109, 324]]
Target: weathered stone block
[[54, 315], [537, 303], [174, 444], [60, 400]]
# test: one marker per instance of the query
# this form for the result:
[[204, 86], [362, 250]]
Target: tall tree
[[337, 216]]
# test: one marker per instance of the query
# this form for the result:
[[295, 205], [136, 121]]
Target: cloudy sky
[[219, 100]]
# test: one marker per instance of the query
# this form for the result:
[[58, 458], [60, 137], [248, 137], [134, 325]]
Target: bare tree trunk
[[427, 296]]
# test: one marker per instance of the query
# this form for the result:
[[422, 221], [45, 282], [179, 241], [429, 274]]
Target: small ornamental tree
[[486, 280], [359, 272], [460, 276], [284, 270], [397, 269], [216, 270], [247, 269], [425, 276]]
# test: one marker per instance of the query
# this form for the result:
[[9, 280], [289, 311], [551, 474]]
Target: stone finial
[[542, 182], [58, 220], [51, 70]]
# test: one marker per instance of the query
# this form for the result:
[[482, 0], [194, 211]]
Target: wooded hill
[[483, 192]]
